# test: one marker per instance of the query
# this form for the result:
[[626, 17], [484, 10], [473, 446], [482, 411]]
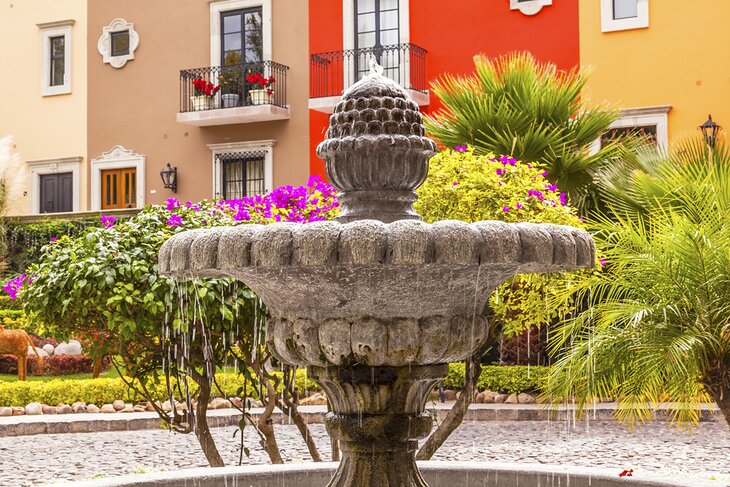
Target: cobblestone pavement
[[40, 459]]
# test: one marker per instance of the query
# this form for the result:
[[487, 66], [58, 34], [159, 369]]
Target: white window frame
[[44, 167], [266, 146], [49, 30], [531, 7], [404, 36], [117, 158], [642, 117], [105, 42], [609, 24], [220, 6]]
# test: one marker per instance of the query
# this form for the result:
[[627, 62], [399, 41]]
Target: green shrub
[[9, 304], [504, 379]]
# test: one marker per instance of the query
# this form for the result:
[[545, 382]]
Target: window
[[56, 57], [624, 15], [118, 188], [56, 192], [240, 32], [243, 174], [377, 25], [242, 168], [651, 122], [117, 180], [529, 7], [648, 132], [118, 42]]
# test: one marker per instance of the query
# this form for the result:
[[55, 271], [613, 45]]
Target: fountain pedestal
[[378, 417]]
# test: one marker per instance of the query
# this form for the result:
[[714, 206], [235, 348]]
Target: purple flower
[[53, 239], [563, 199], [518, 206], [189, 204], [456, 183], [551, 187], [13, 285], [537, 194], [500, 172], [602, 262], [172, 203], [107, 221], [508, 161], [460, 148], [174, 221], [544, 174], [505, 209]]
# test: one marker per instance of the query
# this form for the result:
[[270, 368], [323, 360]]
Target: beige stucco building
[[143, 112], [44, 103]]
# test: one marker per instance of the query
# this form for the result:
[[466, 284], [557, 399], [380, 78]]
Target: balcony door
[[377, 33], [56, 192], [242, 48]]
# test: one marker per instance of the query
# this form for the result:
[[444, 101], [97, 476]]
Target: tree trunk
[[266, 426], [718, 385], [202, 431], [456, 415], [98, 364], [290, 407]]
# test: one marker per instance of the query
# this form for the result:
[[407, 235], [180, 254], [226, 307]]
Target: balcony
[[236, 100], [333, 72]]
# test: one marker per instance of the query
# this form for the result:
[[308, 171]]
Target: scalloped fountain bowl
[[377, 303]]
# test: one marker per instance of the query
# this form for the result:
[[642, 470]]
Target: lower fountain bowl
[[437, 474]]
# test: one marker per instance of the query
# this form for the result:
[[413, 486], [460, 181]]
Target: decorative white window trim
[[643, 117], [105, 42], [116, 158], [530, 7], [219, 6], [266, 146], [43, 167], [48, 31], [609, 24]]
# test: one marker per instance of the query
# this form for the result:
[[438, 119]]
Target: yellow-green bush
[[505, 379]]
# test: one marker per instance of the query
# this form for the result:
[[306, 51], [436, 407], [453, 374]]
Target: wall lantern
[[169, 177], [709, 131]]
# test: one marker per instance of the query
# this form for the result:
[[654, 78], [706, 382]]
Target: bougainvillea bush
[[104, 286], [462, 185]]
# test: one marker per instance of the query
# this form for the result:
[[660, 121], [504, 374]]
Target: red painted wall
[[453, 33]]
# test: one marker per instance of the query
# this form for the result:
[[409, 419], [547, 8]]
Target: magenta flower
[[563, 199], [53, 239], [174, 221], [460, 148], [602, 262], [505, 209], [172, 203], [544, 174], [14, 285], [501, 172], [107, 221], [551, 187], [456, 183], [518, 206]]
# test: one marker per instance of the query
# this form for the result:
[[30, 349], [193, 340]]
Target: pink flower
[[505, 209], [174, 221], [107, 221], [53, 239]]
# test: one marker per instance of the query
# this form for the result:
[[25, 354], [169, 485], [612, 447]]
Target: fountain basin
[[437, 474]]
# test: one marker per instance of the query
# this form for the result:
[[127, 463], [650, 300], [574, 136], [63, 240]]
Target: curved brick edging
[[437, 474], [94, 423]]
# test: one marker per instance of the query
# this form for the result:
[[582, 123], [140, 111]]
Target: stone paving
[[41, 459]]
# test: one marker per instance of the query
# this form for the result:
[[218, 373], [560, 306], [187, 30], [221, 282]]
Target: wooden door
[[56, 192], [118, 188]]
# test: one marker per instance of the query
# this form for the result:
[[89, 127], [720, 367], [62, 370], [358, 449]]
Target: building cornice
[[57, 160], [57, 23], [637, 112]]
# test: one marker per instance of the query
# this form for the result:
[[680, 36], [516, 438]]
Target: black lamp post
[[169, 177], [709, 131]]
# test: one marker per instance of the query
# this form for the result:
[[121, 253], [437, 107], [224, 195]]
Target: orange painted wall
[[452, 33]]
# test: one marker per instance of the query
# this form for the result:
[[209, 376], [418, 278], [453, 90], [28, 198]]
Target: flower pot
[[229, 100], [259, 97], [203, 102]]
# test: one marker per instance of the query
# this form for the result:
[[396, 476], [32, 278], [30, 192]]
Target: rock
[[64, 409], [489, 397], [93, 408], [140, 408], [253, 403], [315, 399], [166, 406], [236, 402], [511, 399], [33, 409], [524, 398], [48, 348], [220, 403], [6, 411], [433, 395], [150, 407], [118, 404], [79, 407], [479, 399], [127, 409], [108, 408], [18, 410], [73, 347], [450, 395], [500, 398], [49, 409], [181, 407], [41, 352]]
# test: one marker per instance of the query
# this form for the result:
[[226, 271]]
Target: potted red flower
[[260, 88], [204, 94]]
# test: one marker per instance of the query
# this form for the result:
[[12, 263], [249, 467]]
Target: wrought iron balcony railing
[[236, 86], [333, 72]]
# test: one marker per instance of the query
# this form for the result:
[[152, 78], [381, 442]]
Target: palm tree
[[532, 111], [659, 328]]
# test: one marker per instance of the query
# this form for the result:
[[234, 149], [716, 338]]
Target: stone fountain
[[377, 303]]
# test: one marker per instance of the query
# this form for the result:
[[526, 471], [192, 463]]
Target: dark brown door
[[118, 188], [56, 192]]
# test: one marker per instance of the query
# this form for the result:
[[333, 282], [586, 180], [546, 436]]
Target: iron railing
[[333, 72], [235, 90]]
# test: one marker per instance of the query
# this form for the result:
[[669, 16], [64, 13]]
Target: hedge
[[504, 379], [9, 304], [104, 391]]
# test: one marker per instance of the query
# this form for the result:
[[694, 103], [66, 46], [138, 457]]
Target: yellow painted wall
[[42, 127], [679, 60]]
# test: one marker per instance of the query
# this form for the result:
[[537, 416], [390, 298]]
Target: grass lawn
[[109, 374]]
